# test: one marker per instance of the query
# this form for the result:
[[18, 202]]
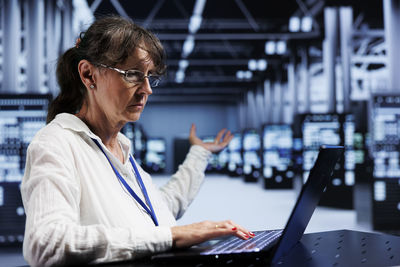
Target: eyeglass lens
[[137, 77]]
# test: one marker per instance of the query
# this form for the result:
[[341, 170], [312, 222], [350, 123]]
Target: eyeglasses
[[135, 76]]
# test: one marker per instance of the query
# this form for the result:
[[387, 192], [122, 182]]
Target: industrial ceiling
[[211, 45]]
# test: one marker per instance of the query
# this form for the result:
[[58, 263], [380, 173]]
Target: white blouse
[[78, 211]]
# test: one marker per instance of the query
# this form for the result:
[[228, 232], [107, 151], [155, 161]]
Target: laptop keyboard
[[237, 245]]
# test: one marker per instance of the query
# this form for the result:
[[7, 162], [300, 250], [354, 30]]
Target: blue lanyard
[[148, 209]]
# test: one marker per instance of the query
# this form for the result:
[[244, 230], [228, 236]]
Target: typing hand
[[220, 142], [191, 234]]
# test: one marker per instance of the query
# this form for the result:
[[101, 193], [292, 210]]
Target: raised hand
[[220, 142]]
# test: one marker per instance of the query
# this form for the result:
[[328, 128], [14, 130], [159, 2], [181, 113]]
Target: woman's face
[[120, 100]]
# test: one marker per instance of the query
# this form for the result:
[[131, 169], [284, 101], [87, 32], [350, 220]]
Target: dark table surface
[[333, 248]]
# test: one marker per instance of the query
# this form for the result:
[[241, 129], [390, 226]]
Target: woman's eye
[[133, 76]]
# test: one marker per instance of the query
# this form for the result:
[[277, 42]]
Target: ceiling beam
[[369, 33], [194, 99], [223, 62], [204, 79], [207, 24], [241, 36], [153, 13], [248, 15], [369, 59], [95, 5], [121, 11], [200, 91]]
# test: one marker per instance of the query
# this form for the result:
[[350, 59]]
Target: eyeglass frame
[[124, 73]]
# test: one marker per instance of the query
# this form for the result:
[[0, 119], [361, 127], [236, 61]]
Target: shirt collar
[[73, 123]]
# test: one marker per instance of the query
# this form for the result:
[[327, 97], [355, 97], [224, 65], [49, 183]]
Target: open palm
[[220, 141]]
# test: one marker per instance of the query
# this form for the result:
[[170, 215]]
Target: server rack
[[277, 159], [155, 157], [21, 116], [235, 160], [384, 127], [251, 155], [331, 129]]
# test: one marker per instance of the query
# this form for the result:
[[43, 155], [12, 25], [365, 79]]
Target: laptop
[[269, 246]]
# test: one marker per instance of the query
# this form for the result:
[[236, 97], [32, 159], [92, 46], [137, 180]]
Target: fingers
[[230, 228], [192, 130], [215, 146], [227, 138], [219, 136], [188, 235], [193, 139]]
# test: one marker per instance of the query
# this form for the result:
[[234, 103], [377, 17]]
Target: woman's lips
[[137, 106]]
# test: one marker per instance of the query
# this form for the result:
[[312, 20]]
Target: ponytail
[[72, 90]]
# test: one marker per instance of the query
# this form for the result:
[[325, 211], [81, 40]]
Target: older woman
[[86, 199]]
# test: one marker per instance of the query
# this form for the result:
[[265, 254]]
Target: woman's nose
[[146, 87]]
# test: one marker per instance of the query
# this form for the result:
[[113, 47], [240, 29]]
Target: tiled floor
[[248, 204]]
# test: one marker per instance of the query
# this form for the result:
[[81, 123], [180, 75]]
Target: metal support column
[[280, 97], [67, 36], [52, 43], [391, 10], [292, 87], [281, 102], [2, 42], [346, 24], [305, 71], [276, 104], [242, 115], [252, 116], [260, 106], [11, 45], [268, 101], [329, 54], [35, 46], [286, 115]]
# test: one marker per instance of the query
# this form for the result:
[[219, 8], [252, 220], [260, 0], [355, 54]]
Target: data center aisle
[[248, 204]]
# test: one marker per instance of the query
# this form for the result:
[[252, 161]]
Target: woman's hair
[[110, 41]]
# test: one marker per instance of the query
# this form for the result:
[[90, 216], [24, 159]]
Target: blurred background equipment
[[277, 156], [251, 155], [21, 116], [154, 161]]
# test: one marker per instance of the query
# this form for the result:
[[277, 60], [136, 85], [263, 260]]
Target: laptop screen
[[308, 199]]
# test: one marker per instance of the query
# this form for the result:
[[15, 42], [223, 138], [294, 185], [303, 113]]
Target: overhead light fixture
[[261, 64], [281, 47], [240, 74], [244, 74], [179, 76], [294, 24], [252, 65], [270, 47], [188, 46], [199, 6], [306, 24], [194, 23], [183, 64], [248, 74]]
